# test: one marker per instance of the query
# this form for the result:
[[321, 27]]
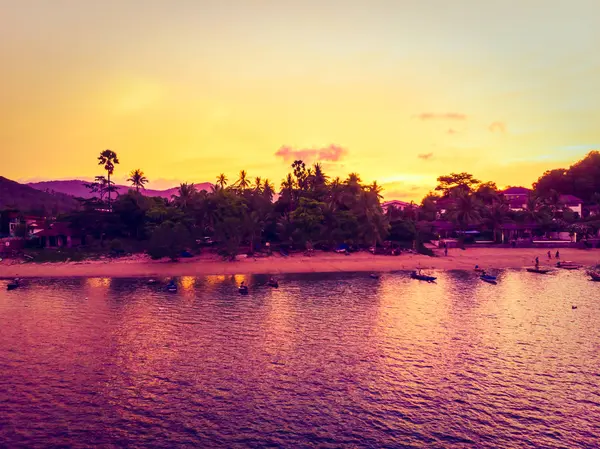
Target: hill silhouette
[[28, 199], [76, 188]]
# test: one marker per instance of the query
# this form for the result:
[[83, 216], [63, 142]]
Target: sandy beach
[[141, 266]]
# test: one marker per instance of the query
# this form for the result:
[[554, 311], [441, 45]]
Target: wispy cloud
[[498, 127], [444, 116], [425, 156], [329, 153]]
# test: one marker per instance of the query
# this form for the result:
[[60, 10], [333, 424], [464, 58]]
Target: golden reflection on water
[[187, 282], [99, 282]]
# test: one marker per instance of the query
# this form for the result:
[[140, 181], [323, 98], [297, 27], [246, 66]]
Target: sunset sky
[[398, 91]]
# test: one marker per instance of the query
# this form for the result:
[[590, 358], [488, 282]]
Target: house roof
[[395, 203], [516, 191], [56, 229], [570, 200]]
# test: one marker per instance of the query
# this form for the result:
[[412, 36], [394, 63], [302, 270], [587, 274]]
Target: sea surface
[[327, 361]]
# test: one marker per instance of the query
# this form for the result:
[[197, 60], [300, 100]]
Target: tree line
[[309, 209]]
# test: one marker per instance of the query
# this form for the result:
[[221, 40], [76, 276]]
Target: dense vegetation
[[311, 210]]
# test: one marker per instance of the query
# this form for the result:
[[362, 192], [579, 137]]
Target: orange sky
[[398, 91]]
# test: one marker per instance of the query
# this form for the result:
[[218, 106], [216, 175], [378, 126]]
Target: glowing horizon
[[398, 91]]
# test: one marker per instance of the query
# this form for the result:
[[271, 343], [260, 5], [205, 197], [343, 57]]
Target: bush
[[169, 240]]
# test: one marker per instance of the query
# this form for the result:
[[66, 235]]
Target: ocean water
[[326, 360]]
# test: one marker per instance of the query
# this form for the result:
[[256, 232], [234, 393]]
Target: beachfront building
[[16, 219], [573, 203], [516, 197], [397, 204], [58, 235]]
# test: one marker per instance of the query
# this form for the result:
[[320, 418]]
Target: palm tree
[[222, 180], [376, 189], [243, 182], [496, 216], [268, 190], [108, 158], [320, 178], [186, 195], [554, 202], [258, 184], [137, 179], [466, 209]]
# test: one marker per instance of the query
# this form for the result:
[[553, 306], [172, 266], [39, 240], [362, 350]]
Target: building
[[573, 203], [516, 197], [16, 219], [58, 235], [400, 205]]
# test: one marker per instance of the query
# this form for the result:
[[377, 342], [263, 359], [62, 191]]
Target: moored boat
[[568, 265], [243, 290], [171, 287], [595, 275], [487, 278], [13, 285], [273, 283], [538, 270], [422, 277]]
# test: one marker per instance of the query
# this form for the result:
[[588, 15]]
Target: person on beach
[[537, 262], [445, 249], [557, 255], [549, 255]]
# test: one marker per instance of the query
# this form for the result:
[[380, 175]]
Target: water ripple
[[324, 361]]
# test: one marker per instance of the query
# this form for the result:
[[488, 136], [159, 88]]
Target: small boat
[[568, 265], [422, 277], [172, 287], [12, 286], [487, 278], [595, 275], [152, 281], [374, 276], [273, 283], [243, 290], [478, 269], [538, 270]]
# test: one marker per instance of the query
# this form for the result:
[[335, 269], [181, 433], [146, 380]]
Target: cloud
[[425, 156], [329, 153], [498, 127], [446, 116]]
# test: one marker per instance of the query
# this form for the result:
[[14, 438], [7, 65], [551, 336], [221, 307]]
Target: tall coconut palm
[[186, 195], [108, 159], [222, 181], [268, 190], [495, 216], [258, 185], [320, 178], [137, 179], [466, 209], [554, 202], [243, 183], [376, 189]]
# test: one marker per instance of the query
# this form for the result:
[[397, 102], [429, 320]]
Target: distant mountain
[[76, 188], [28, 199]]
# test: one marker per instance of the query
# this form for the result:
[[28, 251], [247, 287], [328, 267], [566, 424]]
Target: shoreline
[[141, 266]]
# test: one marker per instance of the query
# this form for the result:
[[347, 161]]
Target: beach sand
[[141, 266]]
